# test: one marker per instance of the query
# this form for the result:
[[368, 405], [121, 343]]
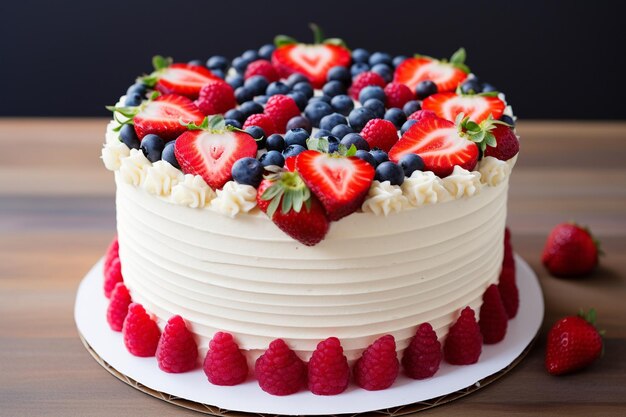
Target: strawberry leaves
[[318, 38], [479, 133], [323, 145], [287, 187]]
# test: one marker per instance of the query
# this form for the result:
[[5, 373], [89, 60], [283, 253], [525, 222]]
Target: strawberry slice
[[340, 183], [184, 79], [446, 75], [162, 116], [211, 154], [477, 106], [439, 143]]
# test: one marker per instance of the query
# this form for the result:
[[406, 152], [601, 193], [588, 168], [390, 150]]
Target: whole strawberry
[[507, 144], [573, 343], [570, 251]]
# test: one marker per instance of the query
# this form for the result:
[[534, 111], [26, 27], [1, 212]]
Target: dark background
[[556, 60]]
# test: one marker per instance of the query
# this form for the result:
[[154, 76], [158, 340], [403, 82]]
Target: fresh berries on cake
[[328, 370], [263, 68], [111, 253], [493, 317], [422, 357], [570, 251], [380, 133], [261, 120], [398, 95], [477, 107], [140, 331], [177, 351], [507, 144], [281, 109], [216, 97], [363, 80], [445, 75], [378, 367], [112, 276], [279, 371], [224, 363], [573, 344], [464, 342], [118, 307], [508, 291], [179, 78]]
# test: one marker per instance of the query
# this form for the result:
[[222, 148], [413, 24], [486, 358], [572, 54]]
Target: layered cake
[[310, 203]]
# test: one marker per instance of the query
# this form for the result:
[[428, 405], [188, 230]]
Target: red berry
[[508, 291], [261, 120], [507, 144], [422, 357], [398, 94], [111, 253], [280, 109], [118, 307], [570, 251], [363, 80], [464, 342], [216, 97], [141, 333], [177, 350], [493, 317], [421, 114], [279, 370], [380, 133], [262, 67], [329, 373], [112, 275], [378, 366], [224, 363]]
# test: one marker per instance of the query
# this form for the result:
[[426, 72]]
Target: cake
[[388, 178]]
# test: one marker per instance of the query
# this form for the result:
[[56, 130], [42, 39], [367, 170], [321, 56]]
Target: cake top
[[310, 133]]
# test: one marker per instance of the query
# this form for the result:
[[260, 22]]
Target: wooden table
[[57, 217]]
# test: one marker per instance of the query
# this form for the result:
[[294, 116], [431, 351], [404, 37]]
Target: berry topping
[[493, 318], [359, 117], [224, 363], [248, 171], [168, 154], [329, 373], [507, 144], [263, 68], [476, 107], [389, 171], [141, 333], [182, 79], [570, 251], [446, 75], [118, 307], [425, 89], [411, 163], [422, 357], [280, 109], [378, 366], [508, 291], [363, 80], [464, 342], [261, 120], [272, 158], [380, 133], [112, 275], [177, 351], [152, 147], [216, 97], [279, 371]]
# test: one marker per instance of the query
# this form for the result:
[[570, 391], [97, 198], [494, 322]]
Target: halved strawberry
[[447, 75], [183, 79], [211, 154], [477, 106], [162, 116], [340, 183], [440, 144]]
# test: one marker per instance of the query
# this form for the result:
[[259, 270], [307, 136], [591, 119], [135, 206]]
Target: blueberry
[[339, 73], [488, 88], [304, 88], [398, 60], [384, 71], [169, 155], [315, 110], [300, 99], [395, 116], [334, 88], [248, 171], [366, 156], [240, 64], [325, 99], [217, 62], [407, 125], [328, 122], [297, 78], [272, 157], [242, 94], [411, 163], [322, 133], [256, 84], [233, 122], [508, 120], [358, 68], [218, 73], [379, 155], [258, 135], [235, 114], [138, 87], [341, 130], [360, 55], [296, 137], [388, 171], [261, 99], [129, 137], [359, 117], [293, 150], [376, 106], [342, 104], [380, 58], [277, 87], [425, 88], [235, 80], [266, 51], [372, 91], [249, 108], [333, 143], [275, 142], [356, 140], [133, 99], [152, 147], [470, 86], [411, 107], [196, 62], [299, 122], [250, 55]]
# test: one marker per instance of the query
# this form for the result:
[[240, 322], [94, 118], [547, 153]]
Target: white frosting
[[161, 177], [133, 168], [192, 192], [234, 198], [424, 187], [384, 198], [113, 153], [462, 183], [493, 171]]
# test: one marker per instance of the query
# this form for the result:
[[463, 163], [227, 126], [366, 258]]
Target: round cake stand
[[192, 390]]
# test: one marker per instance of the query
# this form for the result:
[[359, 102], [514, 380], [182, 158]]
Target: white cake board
[[192, 390]]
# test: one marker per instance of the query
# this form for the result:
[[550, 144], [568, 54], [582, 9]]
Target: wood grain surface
[[57, 216]]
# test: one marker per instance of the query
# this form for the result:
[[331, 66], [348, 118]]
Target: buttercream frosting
[[113, 153], [384, 198], [424, 187], [192, 192], [493, 171], [133, 169], [161, 177], [234, 198], [462, 183]]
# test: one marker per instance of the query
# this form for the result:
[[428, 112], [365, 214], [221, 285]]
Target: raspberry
[[177, 350], [363, 80], [141, 333], [422, 358], [398, 94], [261, 120], [420, 114], [280, 109], [464, 342], [112, 253], [508, 291], [118, 306], [380, 133], [112, 275], [509, 259], [378, 366], [216, 97], [507, 237], [224, 363], [329, 373], [262, 67], [279, 370], [492, 316]]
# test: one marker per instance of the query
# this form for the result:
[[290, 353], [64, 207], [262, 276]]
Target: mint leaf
[[282, 40], [159, 62], [458, 57]]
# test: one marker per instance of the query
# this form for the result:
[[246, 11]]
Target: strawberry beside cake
[[311, 216]]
